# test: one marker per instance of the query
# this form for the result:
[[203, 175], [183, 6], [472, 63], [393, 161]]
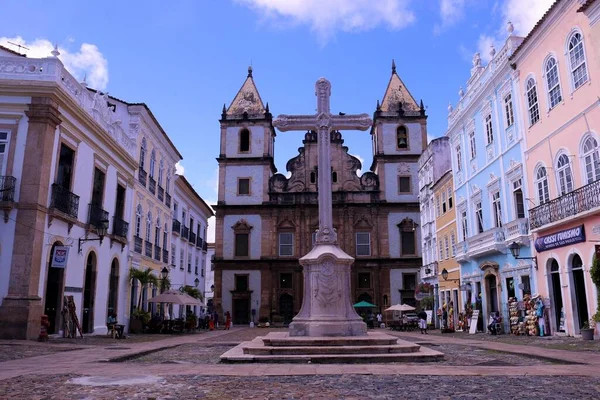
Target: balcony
[[142, 177], [147, 249], [165, 256], [168, 200], [176, 227], [7, 194], [161, 193], [488, 242], [120, 228], [204, 246], [584, 199], [428, 230], [151, 185], [460, 252], [430, 270], [517, 231], [64, 201], [199, 242], [185, 231], [97, 216], [137, 244], [157, 253], [192, 238]]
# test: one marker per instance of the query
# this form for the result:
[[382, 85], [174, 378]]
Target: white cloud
[[179, 169], [88, 61], [484, 45], [362, 162], [524, 14], [210, 231], [325, 17], [451, 11]]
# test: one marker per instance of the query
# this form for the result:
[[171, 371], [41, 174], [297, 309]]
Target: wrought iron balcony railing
[[157, 253], [161, 193], [142, 175], [120, 227], [192, 238], [137, 244], [165, 256], [7, 188], [168, 200], [64, 201], [580, 200], [147, 249], [205, 246], [185, 231], [151, 185], [97, 216], [176, 228]]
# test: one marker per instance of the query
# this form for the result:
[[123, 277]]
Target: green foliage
[[427, 303], [595, 275], [144, 277], [143, 315], [165, 284], [194, 292]]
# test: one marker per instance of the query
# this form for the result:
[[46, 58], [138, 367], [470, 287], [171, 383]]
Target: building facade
[[487, 140], [188, 242], [557, 69], [265, 222], [209, 283], [67, 164]]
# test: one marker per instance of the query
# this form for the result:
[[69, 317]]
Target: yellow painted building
[[448, 268]]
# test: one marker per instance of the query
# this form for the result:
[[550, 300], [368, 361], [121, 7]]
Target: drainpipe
[[435, 305]]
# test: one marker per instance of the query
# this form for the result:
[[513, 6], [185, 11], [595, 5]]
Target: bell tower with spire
[[399, 136]]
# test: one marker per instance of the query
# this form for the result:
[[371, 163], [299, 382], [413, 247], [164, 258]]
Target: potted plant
[[587, 330], [140, 318]]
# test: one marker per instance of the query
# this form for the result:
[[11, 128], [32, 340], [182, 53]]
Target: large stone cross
[[323, 122]]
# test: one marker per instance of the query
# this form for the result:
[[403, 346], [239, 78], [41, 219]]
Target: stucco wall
[[392, 171], [255, 173], [255, 235], [394, 233], [414, 139], [256, 142], [228, 285]]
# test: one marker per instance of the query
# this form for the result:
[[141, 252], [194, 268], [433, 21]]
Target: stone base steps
[[328, 350]]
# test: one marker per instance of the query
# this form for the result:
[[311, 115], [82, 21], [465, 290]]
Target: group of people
[[210, 321]]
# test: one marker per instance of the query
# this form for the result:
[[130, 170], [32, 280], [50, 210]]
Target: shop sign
[[560, 239], [60, 257]]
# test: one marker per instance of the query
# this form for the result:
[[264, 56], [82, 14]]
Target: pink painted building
[[558, 68]]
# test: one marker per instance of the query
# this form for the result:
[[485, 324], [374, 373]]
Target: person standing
[[227, 320], [379, 320], [422, 321], [216, 318]]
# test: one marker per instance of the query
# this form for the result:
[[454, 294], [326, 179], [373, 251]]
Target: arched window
[[138, 220], [152, 162], [313, 177], [591, 159], [161, 167], [148, 226], [577, 60], [541, 184], [564, 175], [244, 140], [334, 177], [402, 137], [168, 181], [165, 238], [532, 102], [554, 94], [157, 232], [143, 153]]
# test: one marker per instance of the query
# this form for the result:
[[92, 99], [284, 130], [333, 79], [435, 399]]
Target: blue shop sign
[[560, 239]]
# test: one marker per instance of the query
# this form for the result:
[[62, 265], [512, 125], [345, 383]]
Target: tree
[[145, 278], [194, 292]]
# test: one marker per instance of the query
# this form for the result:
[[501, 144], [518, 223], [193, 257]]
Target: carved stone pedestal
[[326, 307], [20, 317]]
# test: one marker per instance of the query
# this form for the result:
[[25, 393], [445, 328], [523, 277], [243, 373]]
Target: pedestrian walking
[[227, 320], [423, 321]]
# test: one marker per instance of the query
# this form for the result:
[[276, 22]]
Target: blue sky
[[186, 58]]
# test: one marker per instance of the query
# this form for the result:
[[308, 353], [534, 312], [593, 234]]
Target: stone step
[[330, 341], [329, 350], [420, 356]]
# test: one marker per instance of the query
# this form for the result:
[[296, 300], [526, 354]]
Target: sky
[[186, 58]]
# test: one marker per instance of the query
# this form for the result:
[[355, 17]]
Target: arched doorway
[[89, 294], [286, 307], [54, 293], [580, 303], [556, 294], [113, 288]]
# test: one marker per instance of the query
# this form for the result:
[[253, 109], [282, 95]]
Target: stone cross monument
[[326, 307]]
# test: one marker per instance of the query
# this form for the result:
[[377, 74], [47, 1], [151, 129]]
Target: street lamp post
[[515, 250]]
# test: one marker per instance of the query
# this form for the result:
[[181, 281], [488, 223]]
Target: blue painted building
[[487, 145]]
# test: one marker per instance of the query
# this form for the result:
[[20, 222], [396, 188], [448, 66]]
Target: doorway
[[113, 288], [492, 289], [580, 303], [241, 311], [89, 294], [54, 293], [286, 308], [557, 303]]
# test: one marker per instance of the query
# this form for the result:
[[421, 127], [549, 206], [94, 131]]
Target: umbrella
[[364, 304], [400, 307], [175, 297]]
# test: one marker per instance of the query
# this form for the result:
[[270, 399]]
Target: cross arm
[[360, 122], [295, 122]]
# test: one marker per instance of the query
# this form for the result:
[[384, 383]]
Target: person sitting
[[494, 321], [113, 324]]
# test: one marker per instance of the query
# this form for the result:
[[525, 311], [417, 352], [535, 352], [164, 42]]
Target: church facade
[[266, 221]]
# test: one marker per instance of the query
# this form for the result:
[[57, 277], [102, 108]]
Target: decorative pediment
[[286, 224], [242, 226], [407, 224], [493, 184], [515, 172], [363, 223]]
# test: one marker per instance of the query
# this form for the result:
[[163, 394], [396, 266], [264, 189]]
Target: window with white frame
[[363, 244], [577, 60], [450, 202], [518, 198], [446, 245], [497, 209], [437, 206], [152, 163], [148, 226], [196, 265], [541, 184], [3, 152], [441, 251], [444, 209], [489, 131], [181, 259], [165, 231], [591, 160], [464, 225], [138, 220], [189, 262], [286, 244], [472, 145], [564, 174], [532, 102], [479, 217], [508, 108], [553, 83], [143, 153], [453, 243], [161, 170], [173, 255], [458, 159]]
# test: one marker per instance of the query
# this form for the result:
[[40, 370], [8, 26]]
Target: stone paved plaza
[[187, 367]]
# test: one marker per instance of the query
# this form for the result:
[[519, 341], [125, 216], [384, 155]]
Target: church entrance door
[[241, 311], [286, 308], [89, 294], [54, 293]]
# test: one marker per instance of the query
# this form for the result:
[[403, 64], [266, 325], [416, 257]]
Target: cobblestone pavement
[[311, 387], [16, 351]]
